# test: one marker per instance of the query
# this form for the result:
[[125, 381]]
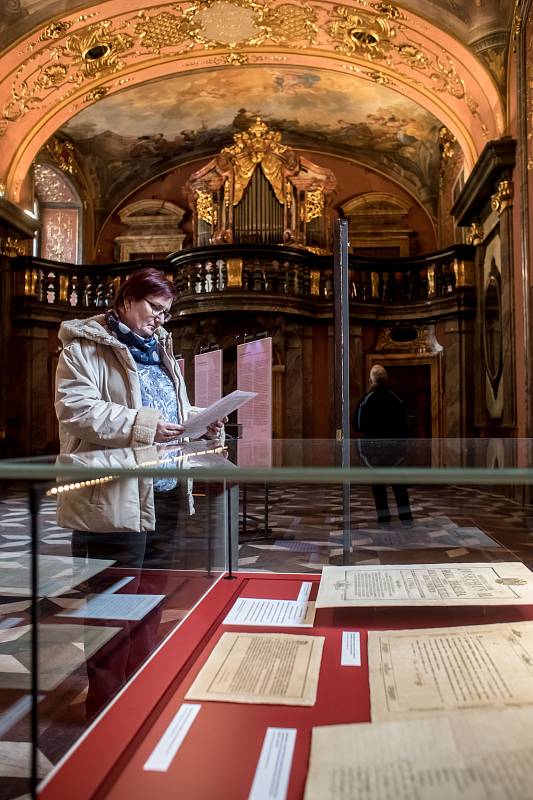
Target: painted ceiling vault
[[139, 86], [313, 109]]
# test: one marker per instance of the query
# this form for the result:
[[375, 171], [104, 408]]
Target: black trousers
[[401, 495]]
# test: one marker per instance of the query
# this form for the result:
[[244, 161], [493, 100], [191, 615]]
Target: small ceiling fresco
[[140, 132]]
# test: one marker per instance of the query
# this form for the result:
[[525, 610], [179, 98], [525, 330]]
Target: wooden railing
[[233, 269]]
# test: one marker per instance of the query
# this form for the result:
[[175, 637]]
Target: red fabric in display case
[[219, 755]]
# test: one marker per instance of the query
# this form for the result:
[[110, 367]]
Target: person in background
[[381, 415]]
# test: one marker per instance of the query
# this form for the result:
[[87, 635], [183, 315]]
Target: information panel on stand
[[207, 378], [254, 374]]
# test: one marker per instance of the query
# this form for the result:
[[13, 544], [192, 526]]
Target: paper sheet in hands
[[477, 756], [487, 584], [276, 668], [420, 673], [197, 424]]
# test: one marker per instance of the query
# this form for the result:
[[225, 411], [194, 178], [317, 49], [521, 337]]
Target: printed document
[[272, 613], [197, 424], [420, 673], [276, 668], [491, 584], [472, 756]]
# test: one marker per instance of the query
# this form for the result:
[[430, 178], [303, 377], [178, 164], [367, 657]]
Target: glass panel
[[109, 595]]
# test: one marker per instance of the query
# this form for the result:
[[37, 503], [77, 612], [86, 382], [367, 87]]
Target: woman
[[119, 385]]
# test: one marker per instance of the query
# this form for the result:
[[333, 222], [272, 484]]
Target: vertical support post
[[34, 503], [342, 368]]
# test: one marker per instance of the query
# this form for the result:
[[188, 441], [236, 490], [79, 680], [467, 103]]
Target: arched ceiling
[[137, 83]]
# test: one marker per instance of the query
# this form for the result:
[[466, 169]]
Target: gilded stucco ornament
[[162, 30], [475, 233], [62, 154], [314, 204], [11, 247], [447, 142], [503, 198], [204, 206], [360, 33], [95, 51], [54, 30]]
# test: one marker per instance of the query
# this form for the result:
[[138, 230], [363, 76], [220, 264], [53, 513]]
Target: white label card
[[305, 592], [169, 744], [271, 779], [271, 613], [351, 649]]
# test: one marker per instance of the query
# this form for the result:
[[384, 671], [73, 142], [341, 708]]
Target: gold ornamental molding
[[11, 247], [80, 59], [475, 233], [447, 142], [503, 198]]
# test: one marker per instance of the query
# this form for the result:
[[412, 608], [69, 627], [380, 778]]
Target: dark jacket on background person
[[382, 415]]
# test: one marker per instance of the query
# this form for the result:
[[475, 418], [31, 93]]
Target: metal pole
[[341, 323]]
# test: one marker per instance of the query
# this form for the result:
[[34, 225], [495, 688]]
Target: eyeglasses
[[162, 313]]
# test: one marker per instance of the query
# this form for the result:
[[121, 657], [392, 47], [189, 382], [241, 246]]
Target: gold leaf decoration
[[360, 33], [162, 30], [288, 23]]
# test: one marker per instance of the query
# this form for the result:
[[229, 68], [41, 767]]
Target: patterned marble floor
[[299, 530]]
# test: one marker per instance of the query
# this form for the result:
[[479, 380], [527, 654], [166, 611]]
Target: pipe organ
[[259, 191]]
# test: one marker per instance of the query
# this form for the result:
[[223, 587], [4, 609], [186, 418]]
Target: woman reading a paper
[[119, 385]]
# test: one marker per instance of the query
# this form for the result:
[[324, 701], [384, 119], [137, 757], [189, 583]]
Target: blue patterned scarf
[[144, 351]]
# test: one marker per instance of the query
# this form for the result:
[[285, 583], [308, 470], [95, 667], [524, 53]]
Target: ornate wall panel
[[59, 237]]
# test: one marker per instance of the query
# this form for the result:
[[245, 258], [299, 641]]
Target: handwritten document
[[437, 670], [499, 583], [473, 756], [277, 668]]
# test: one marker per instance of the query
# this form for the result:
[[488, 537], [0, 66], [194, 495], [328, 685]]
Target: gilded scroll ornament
[[96, 51], [314, 204], [62, 154], [204, 206], [503, 198], [360, 33], [475, 234]]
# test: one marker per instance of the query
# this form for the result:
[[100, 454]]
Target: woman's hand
[[215, 429], [167, 431]]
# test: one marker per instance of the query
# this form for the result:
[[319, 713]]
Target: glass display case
[[104, 627]]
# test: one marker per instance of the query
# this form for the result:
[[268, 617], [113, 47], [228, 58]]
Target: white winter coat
[[98, 404]]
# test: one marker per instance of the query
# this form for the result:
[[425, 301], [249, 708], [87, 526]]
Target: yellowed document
[[475, 756], [420, 673], [501, 583], [275, 668]]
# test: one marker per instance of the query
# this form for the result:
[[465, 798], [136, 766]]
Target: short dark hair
[[143, 282]]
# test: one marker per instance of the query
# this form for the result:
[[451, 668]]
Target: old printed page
[[500, 583], [276, 668], [472, 756], [421, 673]]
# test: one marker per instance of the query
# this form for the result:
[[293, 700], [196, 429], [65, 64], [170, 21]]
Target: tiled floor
[[287, 529]]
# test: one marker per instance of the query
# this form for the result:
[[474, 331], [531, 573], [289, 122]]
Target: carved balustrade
[[261, 274]]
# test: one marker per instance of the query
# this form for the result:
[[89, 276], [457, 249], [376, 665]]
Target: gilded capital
[[503, 198]]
